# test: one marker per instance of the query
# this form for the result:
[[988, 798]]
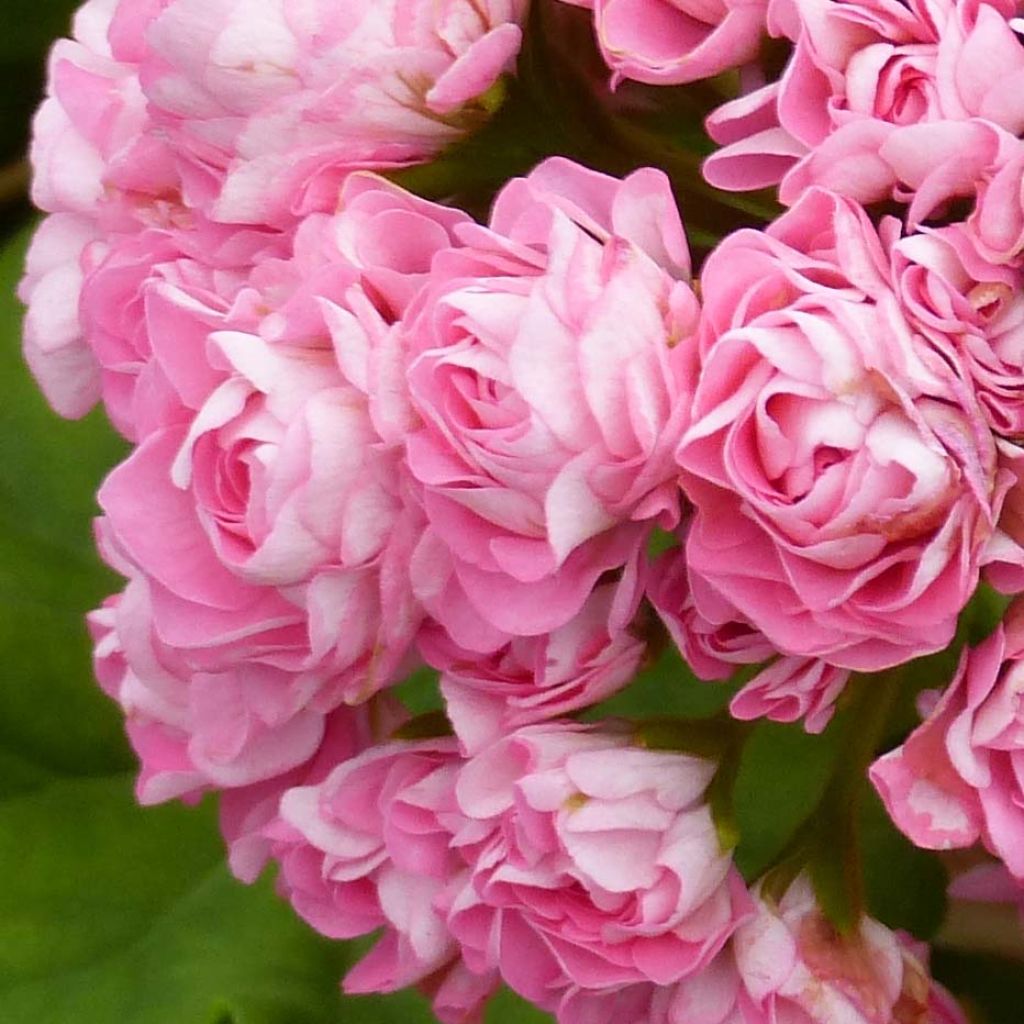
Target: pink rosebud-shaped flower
[[551, 364], [271, 107], [595, 865], [862, 74], [225, 712], [147, 305], [715, 640], [845, 488], [669, 42], [797, 966], [535, 678], [99, 175], [957, 778], [246, 812], [715, 995], [280, 500], [371, 847], [970, 309], [791, 690]]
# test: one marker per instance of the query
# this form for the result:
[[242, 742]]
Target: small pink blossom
[[670, 42], [846, 486], [715, 640], [795, 965], [268, 109], [865, 79], [535, 678], [551, 362], [595, 866], [956, 779], [222, 704], [371, 847]]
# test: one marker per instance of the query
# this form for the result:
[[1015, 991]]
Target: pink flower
[[551, 366], [371, 847], [791, 690], [957, 778], [595, 866], [246, 812], [100, 175], [797, 966], [715, 640], [715, 995], [535, 678], [670, 42], [865, 76], [972, 311], [845, 484], [211, 707], [278, 504], [269, 108]]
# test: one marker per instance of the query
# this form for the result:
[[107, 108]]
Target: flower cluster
[[371, 435]]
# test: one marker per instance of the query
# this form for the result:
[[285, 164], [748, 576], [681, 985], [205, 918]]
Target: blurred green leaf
[[782, 776], [905, 886], [990, 988], [121, 914]]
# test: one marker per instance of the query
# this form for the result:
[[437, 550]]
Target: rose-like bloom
[[846, 487], [215, 709], [792, 690], [551, 365], [595, 865], [715, 640], [861, 75], [797, 966], [957, 778], [279, 501], [100, 176], [669, 42], [970, 309], [371, 847], [715, 995], [535, 678], [712, 636], [270, 107], [247, 812]]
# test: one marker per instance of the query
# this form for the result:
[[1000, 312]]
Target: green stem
[[828, 844]]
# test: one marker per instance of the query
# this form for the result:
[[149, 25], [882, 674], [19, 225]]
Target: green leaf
[[782, 776], [129, 915]]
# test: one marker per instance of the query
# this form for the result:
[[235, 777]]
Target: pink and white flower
[[371, 847], [846, 485], [957, 778], [670, 42], [269, 108], [595, 865], [551, 360], [795, 965]]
